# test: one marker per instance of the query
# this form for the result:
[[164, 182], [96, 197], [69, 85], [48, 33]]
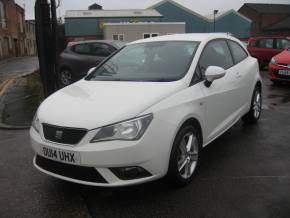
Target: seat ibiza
[[147, 111]]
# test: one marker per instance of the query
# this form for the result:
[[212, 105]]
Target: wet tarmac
[[244, 174]]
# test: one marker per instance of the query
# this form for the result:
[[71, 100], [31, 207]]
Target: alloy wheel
[[257, 104], [188, 152], [65, 77]]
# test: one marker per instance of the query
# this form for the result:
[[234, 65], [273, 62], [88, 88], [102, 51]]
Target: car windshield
[[151, 61]]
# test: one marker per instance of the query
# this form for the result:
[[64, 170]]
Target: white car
[[147, 111]]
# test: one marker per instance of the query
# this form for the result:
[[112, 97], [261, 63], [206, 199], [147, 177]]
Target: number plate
[[61, 155], [284, 72]]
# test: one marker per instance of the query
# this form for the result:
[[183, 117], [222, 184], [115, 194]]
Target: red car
[[264, 48], [279, 67]]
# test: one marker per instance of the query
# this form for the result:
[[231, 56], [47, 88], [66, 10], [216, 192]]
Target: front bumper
[[150, 153], [273, 73]]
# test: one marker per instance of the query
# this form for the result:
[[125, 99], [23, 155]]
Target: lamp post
[[214, 14]]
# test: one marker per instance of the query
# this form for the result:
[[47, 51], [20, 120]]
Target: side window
[[282, 43], [266, 43], [239, 54], [99, 49], [82, 49], [216, 53]]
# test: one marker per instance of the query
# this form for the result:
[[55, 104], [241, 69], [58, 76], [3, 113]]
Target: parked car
[[264, 48], [79, 57], [279, 67], [147, 111]]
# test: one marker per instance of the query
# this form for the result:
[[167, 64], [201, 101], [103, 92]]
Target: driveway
[[244, 173]]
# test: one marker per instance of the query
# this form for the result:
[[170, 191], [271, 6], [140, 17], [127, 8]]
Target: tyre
[[276, 82], [185, 156], [256, 107], [65, 77]]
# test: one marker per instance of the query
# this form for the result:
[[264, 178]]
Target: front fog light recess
[[127, 130]]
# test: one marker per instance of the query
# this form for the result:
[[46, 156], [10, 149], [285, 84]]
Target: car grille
[[87, 174], [284, 65], [276, 73], [63, 135]]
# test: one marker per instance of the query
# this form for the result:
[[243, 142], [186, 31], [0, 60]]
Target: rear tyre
[[65, 77], [276, 82], [185, 156], [256, 107]]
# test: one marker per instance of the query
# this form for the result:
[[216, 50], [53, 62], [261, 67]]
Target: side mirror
[[213, 73], [91, 70]]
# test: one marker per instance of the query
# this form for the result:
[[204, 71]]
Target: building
[[20, 24], [134, 31], [267, 19], [174, 12], [89, 24], [229, 21], [95, 7], [30, 39], [12, 31]]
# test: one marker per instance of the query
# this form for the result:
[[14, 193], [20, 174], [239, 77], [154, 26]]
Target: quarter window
[[238, 52], [216, 53], [254, 43]]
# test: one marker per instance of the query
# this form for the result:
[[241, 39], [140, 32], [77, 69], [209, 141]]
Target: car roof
[[197, 37], [111, 42], [271, 37]]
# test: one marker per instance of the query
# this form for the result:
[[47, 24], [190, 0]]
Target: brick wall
[[11, 38]]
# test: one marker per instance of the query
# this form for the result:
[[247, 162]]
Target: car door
[[244, 72], [82, 60], [266, 50], [220, 98]]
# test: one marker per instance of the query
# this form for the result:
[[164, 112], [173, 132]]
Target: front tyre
[[256, 107], [185, 156]]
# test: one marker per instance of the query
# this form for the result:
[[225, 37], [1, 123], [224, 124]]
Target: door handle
[[238, 75]]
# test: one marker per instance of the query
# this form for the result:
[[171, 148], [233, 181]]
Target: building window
[[119, 37], [21, 23], [149, 35], [2, 15], [146, 35]]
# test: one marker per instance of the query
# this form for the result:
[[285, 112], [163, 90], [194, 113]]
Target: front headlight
[[36, 123], [128, 130], [272, 61]]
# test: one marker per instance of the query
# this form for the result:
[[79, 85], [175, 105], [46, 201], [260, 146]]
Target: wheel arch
[[259, 85], [191, 121], [196, 124]]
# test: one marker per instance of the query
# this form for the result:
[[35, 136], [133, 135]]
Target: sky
[[203, 7]]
